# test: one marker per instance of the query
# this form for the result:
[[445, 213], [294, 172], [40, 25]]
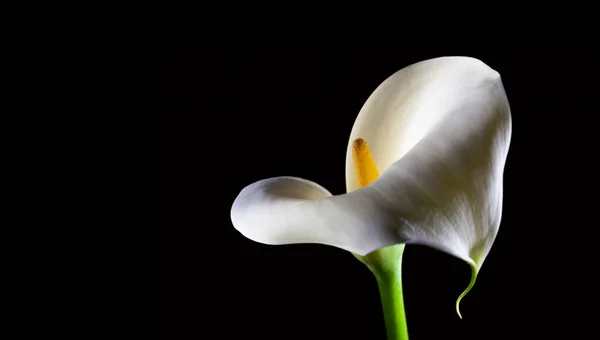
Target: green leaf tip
[[471, 284]]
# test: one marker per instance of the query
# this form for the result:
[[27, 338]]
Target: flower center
[[364, 165]]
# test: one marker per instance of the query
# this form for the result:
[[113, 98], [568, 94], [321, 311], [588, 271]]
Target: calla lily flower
[[438, 132]]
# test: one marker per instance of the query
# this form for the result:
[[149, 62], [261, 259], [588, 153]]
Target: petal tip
[[471, 284]]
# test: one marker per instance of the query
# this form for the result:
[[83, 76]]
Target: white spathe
[[439, 131]]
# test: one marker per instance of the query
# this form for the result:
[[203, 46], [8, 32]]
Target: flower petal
[[288, 210], [439, 132], [443, 127]]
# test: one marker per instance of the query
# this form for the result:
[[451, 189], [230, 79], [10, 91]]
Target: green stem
[[386, 265], [390, 290]]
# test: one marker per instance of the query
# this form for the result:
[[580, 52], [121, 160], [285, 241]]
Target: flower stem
[[390, 290], [386, 265]]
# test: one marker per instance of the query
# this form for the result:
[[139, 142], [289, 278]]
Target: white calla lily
[[439, 133]]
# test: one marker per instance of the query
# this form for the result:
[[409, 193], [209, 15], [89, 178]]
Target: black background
[[232, 117]]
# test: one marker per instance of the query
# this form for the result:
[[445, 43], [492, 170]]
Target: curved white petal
[[439, 132], [287, 210]]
